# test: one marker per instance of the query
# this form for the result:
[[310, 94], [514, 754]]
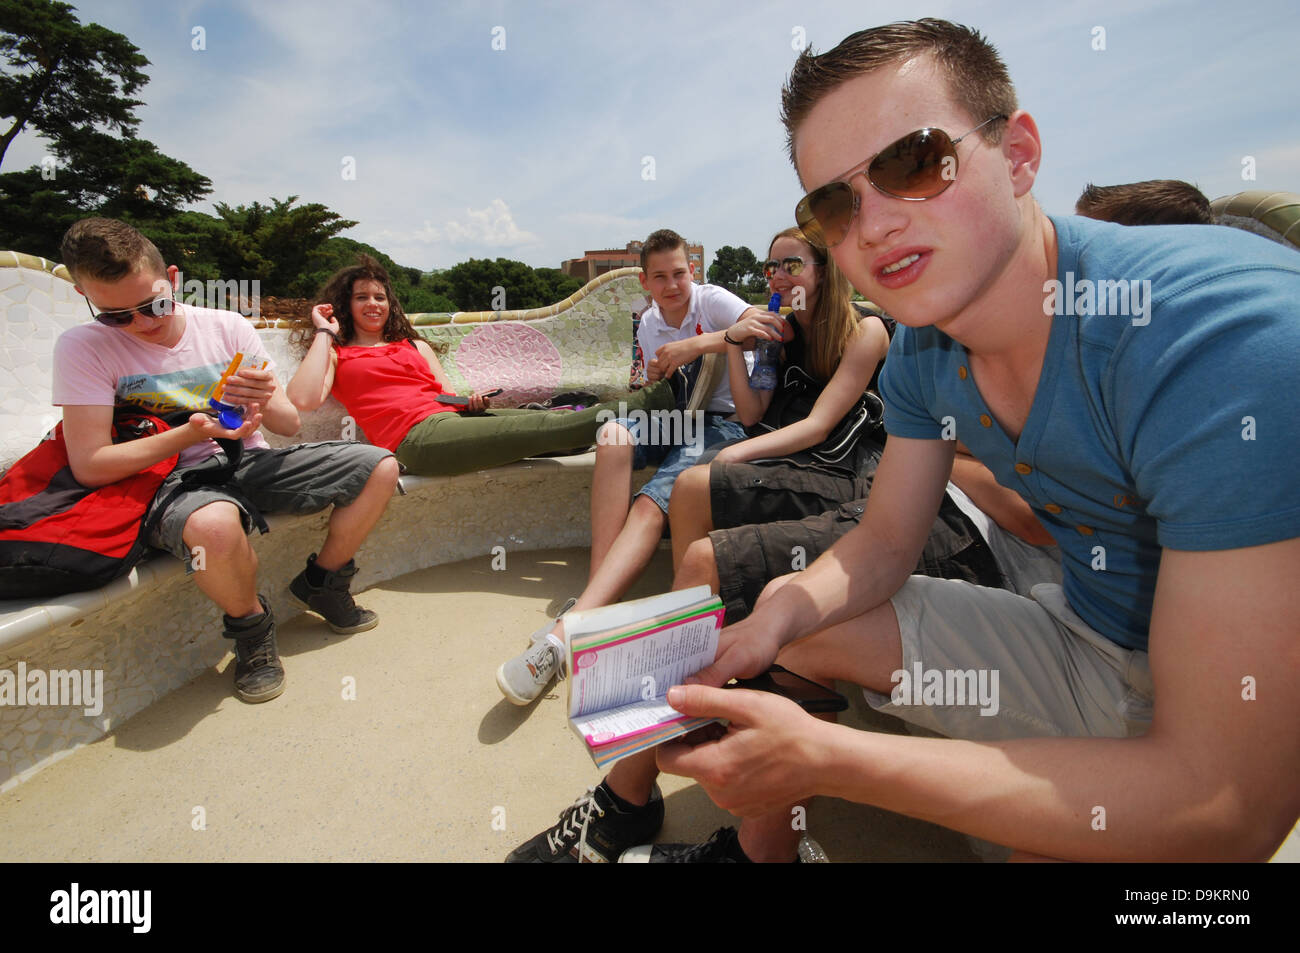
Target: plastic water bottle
[[767, 355]]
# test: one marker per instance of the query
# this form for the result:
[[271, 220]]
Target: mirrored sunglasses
[[793, 266], [919, 166]]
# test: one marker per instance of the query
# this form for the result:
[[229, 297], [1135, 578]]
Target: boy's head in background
[[666, 274], [1154, 202]]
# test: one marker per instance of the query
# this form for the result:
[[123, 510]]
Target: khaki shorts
[[993, 666]]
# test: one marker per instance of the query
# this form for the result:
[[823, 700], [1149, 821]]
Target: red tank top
[[388, 389]]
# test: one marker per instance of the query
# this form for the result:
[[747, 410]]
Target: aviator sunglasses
[[917, 167], [793, 266], [157, 308]]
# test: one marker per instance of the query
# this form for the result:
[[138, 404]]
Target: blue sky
[[537, 151]]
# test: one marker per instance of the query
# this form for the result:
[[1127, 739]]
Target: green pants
[[449, 443]]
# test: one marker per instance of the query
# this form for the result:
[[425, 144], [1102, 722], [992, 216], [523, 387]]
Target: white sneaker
[[526, 676]]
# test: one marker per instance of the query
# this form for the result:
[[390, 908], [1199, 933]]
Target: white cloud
[[493, 226], [430, 245]]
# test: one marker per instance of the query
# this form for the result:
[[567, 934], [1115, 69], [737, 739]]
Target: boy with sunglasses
[[1176, 515], [150, 353]]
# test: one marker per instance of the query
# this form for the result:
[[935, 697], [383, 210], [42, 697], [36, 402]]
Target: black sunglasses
[[157, 308], [919, 166], [793, 266]]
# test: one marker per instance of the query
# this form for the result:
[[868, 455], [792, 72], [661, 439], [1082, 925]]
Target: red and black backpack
[[57, 536]]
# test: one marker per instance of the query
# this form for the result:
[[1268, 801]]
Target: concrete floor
[[427, 763]]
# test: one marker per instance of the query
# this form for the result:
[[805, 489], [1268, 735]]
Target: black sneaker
[[722, 848], [259, 676], [593, 830], [332, 600]]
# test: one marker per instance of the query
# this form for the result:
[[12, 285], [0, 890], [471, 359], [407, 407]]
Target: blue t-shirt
[[1166, 414]]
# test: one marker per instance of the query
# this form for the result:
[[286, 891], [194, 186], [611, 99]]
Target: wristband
[[726, 336], [327, 331]]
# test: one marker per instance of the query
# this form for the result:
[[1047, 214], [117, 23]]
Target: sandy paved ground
[[427, 763]]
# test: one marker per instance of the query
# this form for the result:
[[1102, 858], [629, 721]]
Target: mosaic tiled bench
[[153, 631]]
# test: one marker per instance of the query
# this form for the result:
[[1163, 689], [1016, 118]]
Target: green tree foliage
[[475, 283], [416, 290], [73, 84], [278, 244], [61, 77], [33, 216], [737, 270], [558, 285]]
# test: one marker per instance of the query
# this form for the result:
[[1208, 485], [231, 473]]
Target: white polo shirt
[[711, 308]]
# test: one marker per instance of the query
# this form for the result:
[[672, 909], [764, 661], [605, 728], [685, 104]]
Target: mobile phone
[[810, 696], [456, 400]]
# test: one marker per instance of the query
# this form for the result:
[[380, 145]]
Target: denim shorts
[[675, 448]]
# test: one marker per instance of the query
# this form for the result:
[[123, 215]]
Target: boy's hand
[[207, 427], [478, 403], [745, 650], [249, 386], [765, 759], [671, 356], [322, 316]]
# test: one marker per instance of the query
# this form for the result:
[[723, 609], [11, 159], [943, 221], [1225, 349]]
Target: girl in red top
[[362, 348]]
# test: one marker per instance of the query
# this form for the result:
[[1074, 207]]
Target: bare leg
[[625, 560], [690, 510], [349, 525], [698, 566], [611, 491], [628, 555], [217, 543], [633, 778]]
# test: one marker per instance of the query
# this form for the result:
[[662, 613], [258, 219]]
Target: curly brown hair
[[337, 292]]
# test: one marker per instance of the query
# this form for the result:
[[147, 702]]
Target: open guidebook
[[622, 660]]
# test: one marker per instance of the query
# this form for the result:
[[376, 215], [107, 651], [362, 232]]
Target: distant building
[[594, 263]]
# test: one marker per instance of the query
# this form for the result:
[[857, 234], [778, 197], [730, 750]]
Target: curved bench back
[[1274, 215], [581, 343], [39, 303]]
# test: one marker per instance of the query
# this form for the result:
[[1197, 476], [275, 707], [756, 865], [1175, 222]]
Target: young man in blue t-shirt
[[1131, 385]]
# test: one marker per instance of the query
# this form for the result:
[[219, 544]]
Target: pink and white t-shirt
[[99, 366]]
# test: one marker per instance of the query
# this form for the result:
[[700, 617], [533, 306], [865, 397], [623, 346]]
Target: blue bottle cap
[[230, 416], [774, 302]]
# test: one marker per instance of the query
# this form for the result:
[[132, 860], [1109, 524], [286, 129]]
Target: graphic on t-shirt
[[187, 389]]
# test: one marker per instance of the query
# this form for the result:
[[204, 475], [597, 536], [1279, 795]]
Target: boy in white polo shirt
[[685, 321]]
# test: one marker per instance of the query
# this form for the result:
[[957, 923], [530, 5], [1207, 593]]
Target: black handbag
[[794, 402]]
